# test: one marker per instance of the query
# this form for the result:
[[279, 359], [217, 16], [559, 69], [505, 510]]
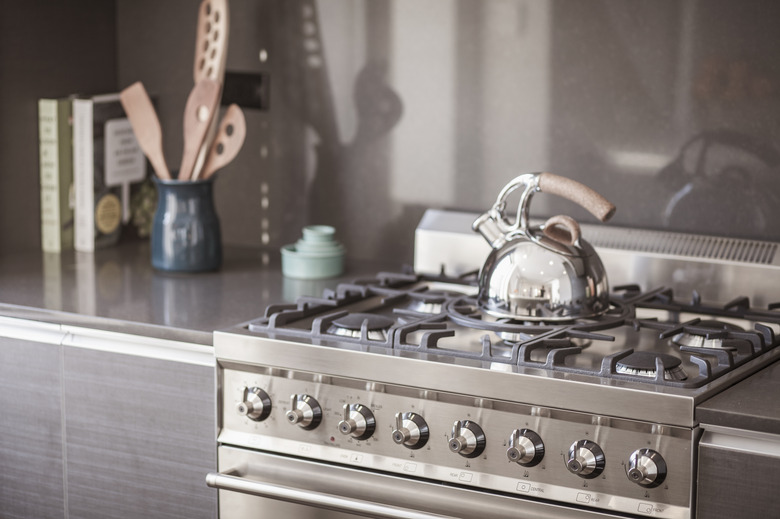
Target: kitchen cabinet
[[31, 434], [103, 424], [140, 436], [739, 473], [739, 453]]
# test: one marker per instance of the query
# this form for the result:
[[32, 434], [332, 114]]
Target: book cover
[[106, 161], [55, 139]]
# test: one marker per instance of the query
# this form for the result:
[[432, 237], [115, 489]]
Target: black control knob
[[256, 404], [646, 468], [585, 459], [411, 430], [358, 422], [525, 448], [468, 439], [305, 412]]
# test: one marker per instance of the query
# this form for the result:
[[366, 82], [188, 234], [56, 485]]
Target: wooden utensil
[[211, 41], [228, 142], [210, 55], [198, 114], [146, 126]]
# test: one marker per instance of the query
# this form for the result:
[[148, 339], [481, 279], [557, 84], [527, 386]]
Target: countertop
[[751, 404], [117, 289]]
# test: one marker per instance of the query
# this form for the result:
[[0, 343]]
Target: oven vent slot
[[688, 245]]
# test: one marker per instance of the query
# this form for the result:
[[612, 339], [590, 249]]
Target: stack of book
[[89, 157]]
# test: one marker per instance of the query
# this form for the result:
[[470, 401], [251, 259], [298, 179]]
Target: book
[[106, 161], [55, 146]]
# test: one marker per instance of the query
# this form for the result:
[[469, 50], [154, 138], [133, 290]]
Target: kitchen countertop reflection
[[117, 289]]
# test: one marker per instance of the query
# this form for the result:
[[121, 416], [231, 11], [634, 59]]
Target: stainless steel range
[[402, 377], [400, 396]]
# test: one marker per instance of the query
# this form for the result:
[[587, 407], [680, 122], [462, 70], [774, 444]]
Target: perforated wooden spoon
[[146, 126], [199, 112], [211, 41], [228, 142], [211, 44]]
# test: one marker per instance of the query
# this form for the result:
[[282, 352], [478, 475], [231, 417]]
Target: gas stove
[[403, 377]]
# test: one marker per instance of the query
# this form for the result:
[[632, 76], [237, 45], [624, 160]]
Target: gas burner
[[425, 307], [350, 325], [514, 337], [642, 364], [430, 302], [707, 340]]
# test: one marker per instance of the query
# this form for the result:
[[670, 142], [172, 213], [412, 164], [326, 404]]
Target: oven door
[[255, 485]]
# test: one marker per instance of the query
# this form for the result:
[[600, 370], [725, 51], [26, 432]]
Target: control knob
[[646, 468], [525, 448], [305, 412], [255, 405], [468, 440], [411, 430], [585, 459], [358, 422]]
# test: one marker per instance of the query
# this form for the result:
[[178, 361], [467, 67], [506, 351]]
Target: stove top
[[646, 339]]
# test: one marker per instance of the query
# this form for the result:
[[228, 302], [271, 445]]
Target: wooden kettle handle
[[578, 193]]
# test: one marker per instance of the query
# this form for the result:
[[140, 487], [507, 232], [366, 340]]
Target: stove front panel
[[353, 422]]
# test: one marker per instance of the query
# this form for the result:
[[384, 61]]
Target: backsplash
[[380, 109]]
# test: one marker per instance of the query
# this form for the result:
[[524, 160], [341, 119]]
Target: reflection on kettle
[[722, 180]]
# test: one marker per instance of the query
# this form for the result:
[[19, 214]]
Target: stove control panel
[[508, 447]]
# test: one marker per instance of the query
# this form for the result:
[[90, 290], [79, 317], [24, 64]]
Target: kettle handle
[[563, 229], [496, 228], [578, 193]]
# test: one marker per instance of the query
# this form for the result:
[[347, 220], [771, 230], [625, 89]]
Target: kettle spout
[[486, 225]]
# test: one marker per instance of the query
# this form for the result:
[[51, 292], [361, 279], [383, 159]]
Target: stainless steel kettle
[[543, 273]]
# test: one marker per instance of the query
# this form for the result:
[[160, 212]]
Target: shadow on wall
[[347, 184]]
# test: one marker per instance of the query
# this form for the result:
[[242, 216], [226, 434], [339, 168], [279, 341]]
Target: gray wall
[[380, 109], [47, 49]]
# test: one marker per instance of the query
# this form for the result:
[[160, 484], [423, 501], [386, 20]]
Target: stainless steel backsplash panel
[[718, 268]]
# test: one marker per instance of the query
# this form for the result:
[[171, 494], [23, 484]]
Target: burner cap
[[350, 325], [696, 340], [642, 364]]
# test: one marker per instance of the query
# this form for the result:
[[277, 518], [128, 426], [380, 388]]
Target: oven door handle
[[229, 481]]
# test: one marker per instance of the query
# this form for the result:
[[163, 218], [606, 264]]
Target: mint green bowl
[[315, 256]]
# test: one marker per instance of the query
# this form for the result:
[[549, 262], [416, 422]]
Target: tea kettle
[[543, 273]]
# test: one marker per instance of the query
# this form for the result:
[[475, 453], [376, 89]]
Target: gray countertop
[[117, 289], [753, 404]]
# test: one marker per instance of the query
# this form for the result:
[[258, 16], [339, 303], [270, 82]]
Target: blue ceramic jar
[[185, 232]]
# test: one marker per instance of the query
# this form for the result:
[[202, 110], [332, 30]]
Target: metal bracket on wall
[[247, 90]]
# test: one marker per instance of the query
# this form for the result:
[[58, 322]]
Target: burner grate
[[436, 322]]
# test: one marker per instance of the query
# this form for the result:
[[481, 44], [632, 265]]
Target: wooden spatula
[[201, 106], [228, 142], [146, 126]]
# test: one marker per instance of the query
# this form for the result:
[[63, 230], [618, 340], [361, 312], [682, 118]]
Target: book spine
[[48, 144], [83, 176], [65, 160]]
